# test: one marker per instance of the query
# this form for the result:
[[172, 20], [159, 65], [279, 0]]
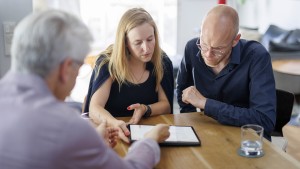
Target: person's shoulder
[[192, 41], [61, 119], [254, 51], [253, 45], [191, 47], [165, 57], [101, 66], [101, 58], [166, 62]]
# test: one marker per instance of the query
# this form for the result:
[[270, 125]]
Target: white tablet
[[179, 135]]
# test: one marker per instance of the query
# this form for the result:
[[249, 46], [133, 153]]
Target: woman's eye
[[137, 43]]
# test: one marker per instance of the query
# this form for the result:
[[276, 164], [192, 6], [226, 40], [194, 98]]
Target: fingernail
[[128, 108]]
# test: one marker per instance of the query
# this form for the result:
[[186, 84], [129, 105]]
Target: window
[[102, 17]]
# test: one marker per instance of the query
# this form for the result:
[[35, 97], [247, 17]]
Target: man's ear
[[64, 71], [236, 40]]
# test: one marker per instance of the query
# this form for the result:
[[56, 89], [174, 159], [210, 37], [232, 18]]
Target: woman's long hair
[[117, 55]]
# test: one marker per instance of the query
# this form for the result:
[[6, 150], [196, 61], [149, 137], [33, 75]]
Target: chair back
[[285, 103]]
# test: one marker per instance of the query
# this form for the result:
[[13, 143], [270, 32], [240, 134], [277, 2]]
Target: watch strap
[[148, 111]]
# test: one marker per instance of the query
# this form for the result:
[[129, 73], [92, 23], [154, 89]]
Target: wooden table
[[292, 134], [287, 74], [219, 147]]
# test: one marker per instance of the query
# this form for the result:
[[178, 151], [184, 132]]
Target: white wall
[[284, 14], [249, 13], [260, 14], [190, 14], [10, 10]]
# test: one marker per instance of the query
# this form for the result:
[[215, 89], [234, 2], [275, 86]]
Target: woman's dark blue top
[[144, 93]]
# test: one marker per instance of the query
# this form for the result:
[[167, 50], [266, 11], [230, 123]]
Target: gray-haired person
[[37, 129]]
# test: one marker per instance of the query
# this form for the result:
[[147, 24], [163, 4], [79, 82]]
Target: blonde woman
[[132, 77]]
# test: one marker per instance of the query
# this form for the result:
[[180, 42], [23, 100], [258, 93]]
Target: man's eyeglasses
[[204, 49]]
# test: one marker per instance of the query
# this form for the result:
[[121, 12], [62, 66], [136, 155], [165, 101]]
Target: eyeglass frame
[[219, 53]]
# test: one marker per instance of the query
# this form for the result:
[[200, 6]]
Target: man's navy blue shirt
[[242, 93]]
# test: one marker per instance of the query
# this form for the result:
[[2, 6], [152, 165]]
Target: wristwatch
[[148, 111]]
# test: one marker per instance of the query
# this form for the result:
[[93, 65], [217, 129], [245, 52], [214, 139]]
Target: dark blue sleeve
[[184, 76], [167, 82], [97, 79], [262, 101]]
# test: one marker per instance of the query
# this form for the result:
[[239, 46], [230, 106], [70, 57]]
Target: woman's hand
[[139, 111]]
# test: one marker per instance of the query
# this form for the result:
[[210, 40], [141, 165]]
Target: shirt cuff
[[144, 147], [212, 108]]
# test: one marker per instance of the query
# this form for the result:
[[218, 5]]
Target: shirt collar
[[235, 56], [26, 80]]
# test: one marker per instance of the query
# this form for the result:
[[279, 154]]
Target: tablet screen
[[179, 135]]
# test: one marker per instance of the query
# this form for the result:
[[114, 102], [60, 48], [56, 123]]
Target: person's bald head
[[221, 22], [219, 34]]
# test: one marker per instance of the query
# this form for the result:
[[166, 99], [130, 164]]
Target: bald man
[[231, 79]]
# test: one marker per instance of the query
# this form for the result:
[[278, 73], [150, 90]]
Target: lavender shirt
[[38, 131]]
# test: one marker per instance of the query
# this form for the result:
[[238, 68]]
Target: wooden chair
[[285, 103]]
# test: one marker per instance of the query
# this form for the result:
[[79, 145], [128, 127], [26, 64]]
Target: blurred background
[[177, 21]]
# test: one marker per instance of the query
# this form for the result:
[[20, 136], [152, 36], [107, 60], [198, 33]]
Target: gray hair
[[43, 40]]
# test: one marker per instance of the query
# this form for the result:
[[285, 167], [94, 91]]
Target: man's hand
[[159, 133], [122, 128], [192, 96], [109, 134]]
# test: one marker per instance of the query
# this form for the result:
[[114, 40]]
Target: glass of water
[[251, 141]]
